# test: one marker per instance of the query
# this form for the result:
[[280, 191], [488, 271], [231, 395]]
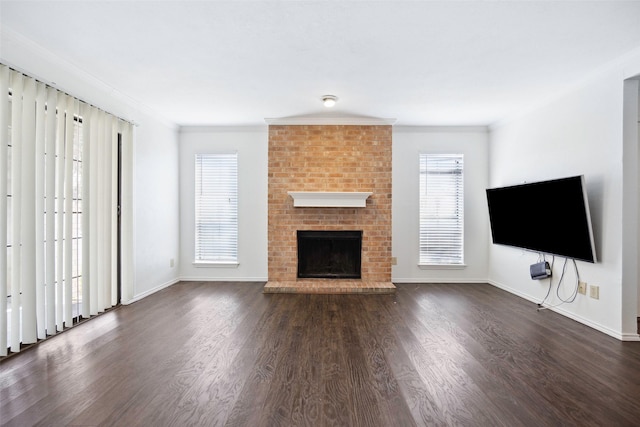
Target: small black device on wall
[[540, 270]]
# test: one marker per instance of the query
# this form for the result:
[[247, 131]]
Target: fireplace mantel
[[329, 199]]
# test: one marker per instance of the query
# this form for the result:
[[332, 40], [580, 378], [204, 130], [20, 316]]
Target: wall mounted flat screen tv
[[550, 217]]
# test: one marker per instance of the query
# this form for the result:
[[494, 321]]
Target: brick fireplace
[[329, 158]]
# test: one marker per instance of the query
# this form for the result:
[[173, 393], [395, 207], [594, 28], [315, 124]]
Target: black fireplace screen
[[329, 254]]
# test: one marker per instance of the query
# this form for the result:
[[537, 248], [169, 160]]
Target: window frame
[[218, 259], [455, 258]]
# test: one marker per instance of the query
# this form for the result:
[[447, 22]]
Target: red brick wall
[[330, 158]]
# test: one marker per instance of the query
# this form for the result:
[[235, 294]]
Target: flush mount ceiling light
[[329, 100]]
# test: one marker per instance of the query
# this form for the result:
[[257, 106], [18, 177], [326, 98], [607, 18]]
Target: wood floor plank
[[223, 387], [554, 381], [248, 408], [481, 358], [376, 341], [212, 342], [335, 387], [514, 354], [226, 354], [293, 397]]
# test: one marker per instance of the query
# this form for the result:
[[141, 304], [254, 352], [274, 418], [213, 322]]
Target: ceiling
[[420, 62]]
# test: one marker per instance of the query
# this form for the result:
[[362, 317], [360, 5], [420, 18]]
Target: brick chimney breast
[[329, 158]]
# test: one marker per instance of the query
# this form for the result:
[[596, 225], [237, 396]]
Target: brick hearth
[[324, 286]]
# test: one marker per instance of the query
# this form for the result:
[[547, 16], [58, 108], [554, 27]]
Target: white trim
[[604, 329], [442, 266], [600, 328], [150, 291], [439, 129], [397, 281], [224, 279], [441, 208], [329, 199], [216, 264], [431, 280], [630, 337], [331, 120], [216, 209], [222, 129], [193, 279]]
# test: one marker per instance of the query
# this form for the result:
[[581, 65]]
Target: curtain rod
[[131, 122]]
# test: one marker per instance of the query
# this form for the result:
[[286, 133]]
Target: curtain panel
[[58, 209]]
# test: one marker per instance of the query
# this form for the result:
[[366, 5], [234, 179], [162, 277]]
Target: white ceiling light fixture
[[329, 100]]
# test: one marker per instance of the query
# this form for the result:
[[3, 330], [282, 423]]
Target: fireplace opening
[[329, 254]]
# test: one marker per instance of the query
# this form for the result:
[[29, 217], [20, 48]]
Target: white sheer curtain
[[58, 209]]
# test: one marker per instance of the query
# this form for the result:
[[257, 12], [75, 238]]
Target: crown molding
[[332, 120]]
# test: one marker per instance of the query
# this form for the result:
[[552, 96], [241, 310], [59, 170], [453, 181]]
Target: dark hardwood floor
[[207, 354]]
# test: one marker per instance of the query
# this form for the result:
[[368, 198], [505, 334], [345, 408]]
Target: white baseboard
[[630, 337], [432, 280], [191, 279], [223, 279], [513, 291], [150, 291], [560, 310]]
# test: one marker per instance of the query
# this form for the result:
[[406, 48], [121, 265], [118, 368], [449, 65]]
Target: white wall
[[579, 133], [157, 209], [252, 147], [408, 142], [251, 144], [155, 167]]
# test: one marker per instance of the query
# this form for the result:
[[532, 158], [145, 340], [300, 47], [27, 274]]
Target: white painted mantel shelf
[[329, 199]]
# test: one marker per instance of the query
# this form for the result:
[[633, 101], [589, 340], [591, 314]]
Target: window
[[441, 209], [216, 208]]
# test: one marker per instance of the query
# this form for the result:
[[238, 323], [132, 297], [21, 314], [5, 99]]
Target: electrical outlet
[[394, 261], [582, 287], [594, 291], [171, 263]]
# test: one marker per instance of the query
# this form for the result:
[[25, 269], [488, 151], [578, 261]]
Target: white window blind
[[441, 209], [216, 208]]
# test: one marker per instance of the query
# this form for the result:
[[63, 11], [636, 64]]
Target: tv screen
[[550, 217]]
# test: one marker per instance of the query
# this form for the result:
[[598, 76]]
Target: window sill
[[216, 264], [442, 266]]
